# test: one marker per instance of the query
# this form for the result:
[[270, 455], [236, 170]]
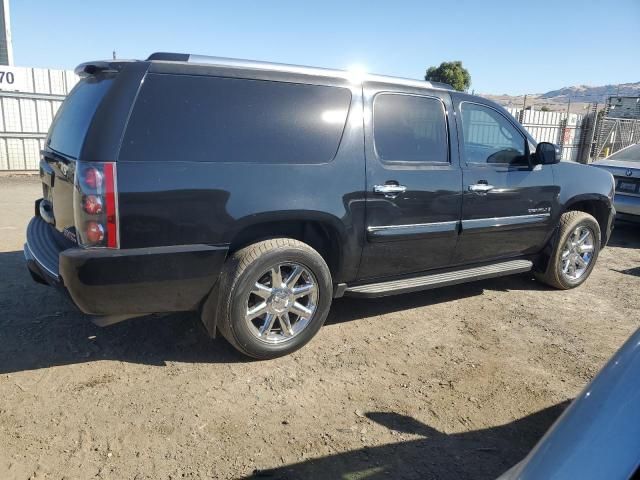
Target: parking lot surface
[[455, 383]]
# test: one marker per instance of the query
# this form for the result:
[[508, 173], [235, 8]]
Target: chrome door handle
[[480, 188], [389, 190]]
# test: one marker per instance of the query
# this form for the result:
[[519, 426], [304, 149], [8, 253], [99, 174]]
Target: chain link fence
[[614, 134], [572, 132]]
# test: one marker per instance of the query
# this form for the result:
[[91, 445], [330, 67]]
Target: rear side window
[[72, 121], [212, 119], [409, 128]]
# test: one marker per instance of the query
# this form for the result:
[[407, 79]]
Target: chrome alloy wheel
[[577, 253], [281, 303]]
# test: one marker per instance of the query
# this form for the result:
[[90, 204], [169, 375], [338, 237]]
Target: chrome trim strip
[[416, 231], [435, 225], [505, 221]]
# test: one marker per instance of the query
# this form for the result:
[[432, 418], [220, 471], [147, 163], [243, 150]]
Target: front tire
[[575, 253], [273, 297]]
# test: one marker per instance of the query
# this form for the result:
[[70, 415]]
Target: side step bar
[[435, 280]]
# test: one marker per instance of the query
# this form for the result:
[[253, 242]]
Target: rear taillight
[[92, 204], [95, 200], [92, 178], [94, 232]]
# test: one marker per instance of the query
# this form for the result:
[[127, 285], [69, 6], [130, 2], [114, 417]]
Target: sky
[[512, 47]]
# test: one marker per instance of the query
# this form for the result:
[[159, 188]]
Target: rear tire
[[285, 285], [575, 253]]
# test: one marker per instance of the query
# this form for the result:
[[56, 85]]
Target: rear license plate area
[[627, 186]]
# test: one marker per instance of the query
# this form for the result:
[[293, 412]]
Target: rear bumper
[[628, 205], [125, 281]]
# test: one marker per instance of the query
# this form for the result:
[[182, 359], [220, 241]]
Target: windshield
[[72, 121], [629, 154]]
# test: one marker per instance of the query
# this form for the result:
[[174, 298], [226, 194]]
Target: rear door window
[[214, 119], [410, 128], [72, 121]]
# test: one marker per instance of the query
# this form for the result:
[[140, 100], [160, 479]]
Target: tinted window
[[210, 119], [409, 128], [72, 120], [489, 137]]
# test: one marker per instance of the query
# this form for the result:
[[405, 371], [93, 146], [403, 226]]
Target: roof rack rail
[[260, 65], [444, 85], [169, 57]]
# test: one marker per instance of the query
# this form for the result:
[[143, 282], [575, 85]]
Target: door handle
[[480, 188], [389, 190]]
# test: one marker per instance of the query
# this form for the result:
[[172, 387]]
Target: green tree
[[452, 73]]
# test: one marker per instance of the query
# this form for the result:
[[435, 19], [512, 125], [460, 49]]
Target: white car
[[624, 165]]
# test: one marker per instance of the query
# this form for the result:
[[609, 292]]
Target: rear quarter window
[[213, 119]]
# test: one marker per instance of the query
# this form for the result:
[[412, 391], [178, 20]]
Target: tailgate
[[63, 147]]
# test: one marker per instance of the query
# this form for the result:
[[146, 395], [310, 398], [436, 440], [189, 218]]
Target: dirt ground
[[453, 383]]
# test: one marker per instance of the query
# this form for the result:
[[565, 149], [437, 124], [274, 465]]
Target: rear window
[[212, 119], [72, 120]]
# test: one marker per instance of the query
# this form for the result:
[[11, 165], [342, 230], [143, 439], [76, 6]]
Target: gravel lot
[[453, 383]]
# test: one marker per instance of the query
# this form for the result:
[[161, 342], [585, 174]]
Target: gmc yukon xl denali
[[256, 193]]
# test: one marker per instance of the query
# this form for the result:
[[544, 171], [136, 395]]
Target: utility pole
[[114, 54], [6, 45], [521, 116]]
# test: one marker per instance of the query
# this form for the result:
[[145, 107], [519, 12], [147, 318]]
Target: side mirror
[[547, 154]]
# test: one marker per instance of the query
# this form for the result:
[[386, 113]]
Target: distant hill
[[581, 97], [585, 93]]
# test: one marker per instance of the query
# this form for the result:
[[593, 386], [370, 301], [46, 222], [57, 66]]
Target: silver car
[[624, 165], [598, 436]]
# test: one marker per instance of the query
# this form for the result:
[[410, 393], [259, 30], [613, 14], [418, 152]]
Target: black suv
[[256, 193]]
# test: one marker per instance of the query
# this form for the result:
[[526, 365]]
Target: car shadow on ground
[[39, 328], [479, 454], [625, 235], [347, 309]]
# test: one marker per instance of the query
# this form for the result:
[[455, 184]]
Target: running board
[[435, 280]]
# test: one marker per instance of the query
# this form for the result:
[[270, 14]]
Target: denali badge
[[539, 210]]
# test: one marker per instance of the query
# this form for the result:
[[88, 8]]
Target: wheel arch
[[598, 206], [322, 234]]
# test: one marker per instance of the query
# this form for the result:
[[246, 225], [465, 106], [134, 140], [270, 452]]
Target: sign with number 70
[[14, 78]]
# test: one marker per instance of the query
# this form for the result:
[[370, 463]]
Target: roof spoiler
[[101, 66]]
